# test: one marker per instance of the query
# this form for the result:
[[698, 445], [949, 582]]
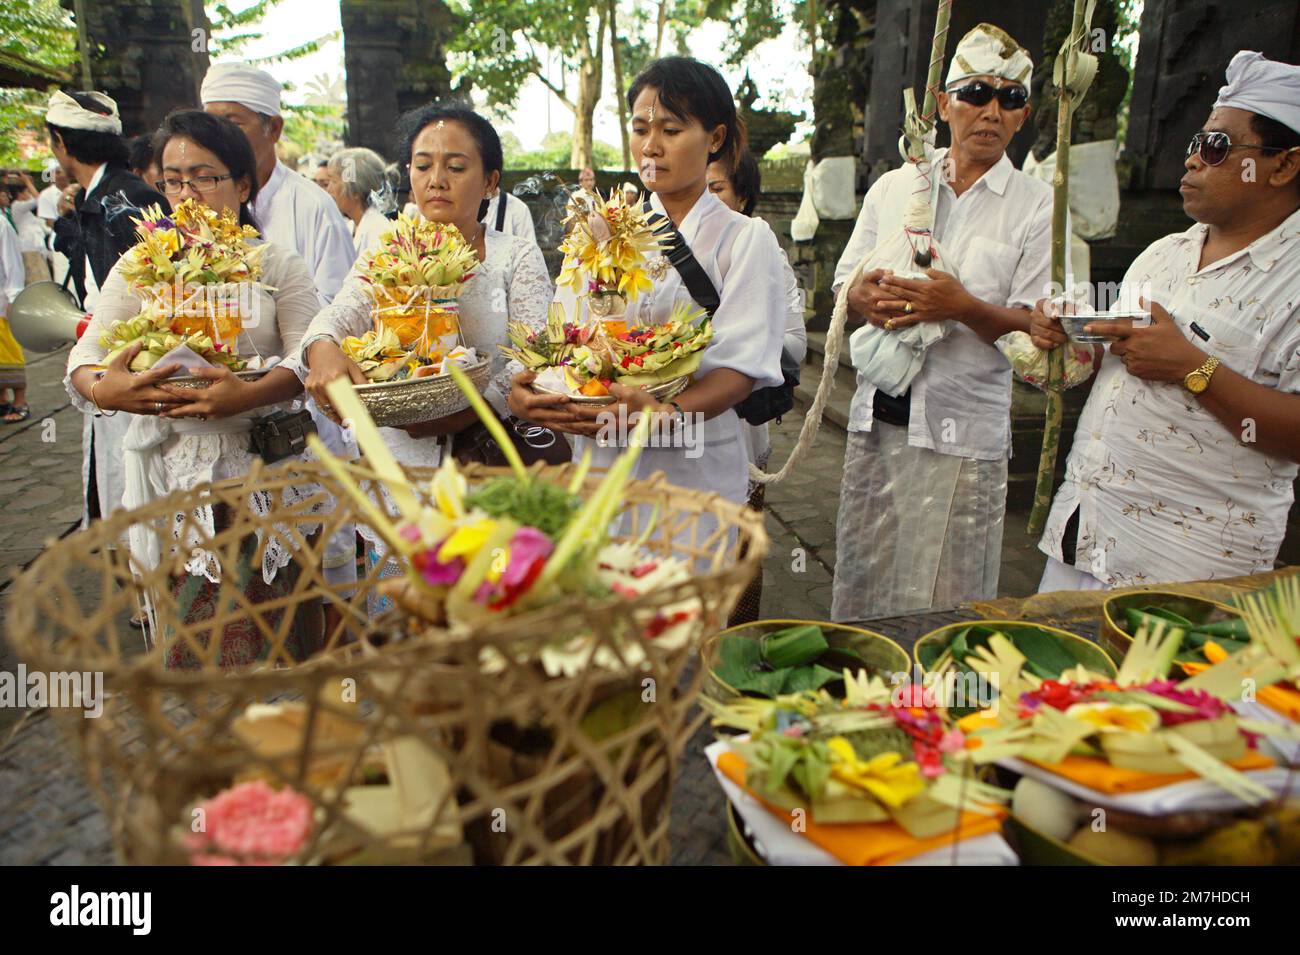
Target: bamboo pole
[[1060, 249], [930, 104]]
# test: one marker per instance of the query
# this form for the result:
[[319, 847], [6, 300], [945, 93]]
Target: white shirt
[[373, 224], [795, 341], [743, 260], [47, 203], [998, 235], [13, 274], [1164, 491], [31, 230], [295, 213], [510, 284], [519, 221]]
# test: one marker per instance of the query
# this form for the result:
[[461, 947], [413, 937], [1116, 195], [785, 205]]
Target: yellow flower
[[1116, 717], [886, 776], [466, 541], [448, 489]]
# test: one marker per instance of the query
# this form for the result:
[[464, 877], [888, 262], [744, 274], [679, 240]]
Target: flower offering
[[415, 276]]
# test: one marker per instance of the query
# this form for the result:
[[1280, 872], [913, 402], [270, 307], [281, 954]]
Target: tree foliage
[[40, 32]]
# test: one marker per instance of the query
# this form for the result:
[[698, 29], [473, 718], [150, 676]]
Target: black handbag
[[281, 435], [763, 404]]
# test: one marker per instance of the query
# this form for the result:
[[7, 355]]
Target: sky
[[293, 22]]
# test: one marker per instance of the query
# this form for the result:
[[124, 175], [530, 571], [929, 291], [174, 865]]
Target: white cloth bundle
[[891, 359]]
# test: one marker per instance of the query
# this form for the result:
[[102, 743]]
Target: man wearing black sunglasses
[[1184, 458], [925, 471]]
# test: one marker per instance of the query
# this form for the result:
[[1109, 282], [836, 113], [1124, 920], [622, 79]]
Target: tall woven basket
[[500, 762]]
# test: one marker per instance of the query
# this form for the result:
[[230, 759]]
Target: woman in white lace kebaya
[[455, 165], [179, 439]]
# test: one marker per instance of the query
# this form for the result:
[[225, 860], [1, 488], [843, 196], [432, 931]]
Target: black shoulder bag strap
[[681, 257], [764, 404], [501, 211]]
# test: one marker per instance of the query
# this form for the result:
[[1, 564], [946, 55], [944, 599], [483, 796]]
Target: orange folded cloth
[[1100, 775], [1279, 697], [865, 843]]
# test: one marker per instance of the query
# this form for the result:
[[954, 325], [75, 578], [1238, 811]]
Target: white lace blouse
[[510, 284], [167, 454]]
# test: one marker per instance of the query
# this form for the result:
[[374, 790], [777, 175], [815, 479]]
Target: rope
[[912, 146]]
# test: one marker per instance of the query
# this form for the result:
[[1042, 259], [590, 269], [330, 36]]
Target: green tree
[[232, 30], [35, 35]]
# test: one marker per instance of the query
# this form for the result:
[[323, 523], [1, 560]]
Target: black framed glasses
[[1213, 148], [980, 93], [200, 184]]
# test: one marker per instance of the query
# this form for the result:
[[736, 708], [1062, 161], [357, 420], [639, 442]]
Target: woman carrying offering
[[183, 438], [683, 119], [455, 163]]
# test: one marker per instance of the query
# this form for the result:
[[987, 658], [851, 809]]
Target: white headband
[[67, 112], [1265, 87], [990, 51], [244, 84]]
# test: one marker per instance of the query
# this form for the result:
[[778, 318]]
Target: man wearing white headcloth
[[291, 211], [85, 135], [1183, 462], [925, 471]]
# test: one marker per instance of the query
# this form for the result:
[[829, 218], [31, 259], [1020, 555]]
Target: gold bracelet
[[95, 402]]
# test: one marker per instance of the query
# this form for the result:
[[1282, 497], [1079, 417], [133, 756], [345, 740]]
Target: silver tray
[[664, 391], [396, 404], [198, 384]]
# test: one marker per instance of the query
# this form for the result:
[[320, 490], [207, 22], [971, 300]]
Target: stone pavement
[[46, 811]]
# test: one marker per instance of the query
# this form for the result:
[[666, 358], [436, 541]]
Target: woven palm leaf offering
[[1169, 762], [952, 656], [415, 276], [525, 701], [874, 778], [197, 273], [611, 254], [582, 361]]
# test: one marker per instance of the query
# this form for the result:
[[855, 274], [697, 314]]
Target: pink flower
[[953, 741], [794, 730], [1204, 706], [251, 824], [409, 532], [434, 572]]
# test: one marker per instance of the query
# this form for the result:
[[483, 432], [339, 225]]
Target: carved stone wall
[[395, 61], [145, 56]]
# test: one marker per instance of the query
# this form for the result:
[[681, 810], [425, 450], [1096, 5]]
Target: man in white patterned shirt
[[1183, 462]]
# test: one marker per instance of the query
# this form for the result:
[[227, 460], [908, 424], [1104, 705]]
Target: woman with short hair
[[356, 179]]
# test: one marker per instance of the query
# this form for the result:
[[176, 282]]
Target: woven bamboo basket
[[530, 768]]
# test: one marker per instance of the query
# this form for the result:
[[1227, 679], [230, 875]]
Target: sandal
[[5, 408], [23, 414], [138, 621]]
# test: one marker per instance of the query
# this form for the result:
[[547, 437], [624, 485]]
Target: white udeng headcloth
[[1263, 86], [990, 51], [65, 111], [244, 84]]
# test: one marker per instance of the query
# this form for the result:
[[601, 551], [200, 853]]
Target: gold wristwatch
[[1197, 381]]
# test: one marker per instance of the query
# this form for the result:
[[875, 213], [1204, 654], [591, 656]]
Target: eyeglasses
[[980, 93], [1213, 148], [200, 184]]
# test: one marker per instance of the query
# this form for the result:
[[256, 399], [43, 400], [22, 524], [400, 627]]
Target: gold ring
[[889, 324], [908, 308]]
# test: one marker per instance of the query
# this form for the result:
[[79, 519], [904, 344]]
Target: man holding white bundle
[[1185, 454], [925, 470], [290, 210]]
